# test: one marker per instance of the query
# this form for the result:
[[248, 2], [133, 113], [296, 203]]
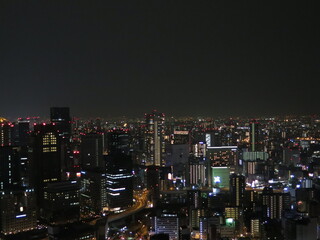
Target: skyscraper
[[255, 144], [6, 130], [119, 181], [91, 150], [47, 162], [155, 146], [237, 188], [60, 116]]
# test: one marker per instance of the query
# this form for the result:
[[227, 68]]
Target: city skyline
[[112, 59]]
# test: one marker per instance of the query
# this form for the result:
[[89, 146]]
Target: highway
[[141, 203]]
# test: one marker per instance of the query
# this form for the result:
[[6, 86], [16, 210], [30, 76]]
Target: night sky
[[209, 58]]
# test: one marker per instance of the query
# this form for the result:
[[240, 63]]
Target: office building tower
[[61, 203], [237, 189], [232, 212], [60, 116], [20, 133], [194, 217], [47, 158], [153, 183], [119, 140], [220, 177], [119, 181], [17, 203], [222, 155], [155, 145], [194, 198], [6, 132], [274, 203], [93, 192], [167, 223], [181, 137], [197, 172], [91, 150], [255, 137], [177, 158], [10, 175], [17, 211], [255, 228]]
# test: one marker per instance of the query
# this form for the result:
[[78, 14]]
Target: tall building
[[155, 145], [223, 155], [237, 189], [10, 176], [17, 203], [91, 150], [197, 172], [153, 182], [17, 211], [119, 140], [61, 203], [93, 192], [220, 177], [119, 181], [47, 161], [6, 132], [20, 132], [167, 223], [274, 203], [255, 138], [60, 116]]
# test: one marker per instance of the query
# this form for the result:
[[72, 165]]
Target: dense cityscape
[[159, 177]]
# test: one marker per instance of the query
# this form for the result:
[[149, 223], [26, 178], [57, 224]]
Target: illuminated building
[[9, 168], [194, 217], [47, 161], [197, 172], [232, 212], [119, 181], [177, 157], [119, 140], [60, 116], [255, 227], [20, 132], [167, 223], [61, 202], [155, 145], [220, 176], [181, 137], [274, 203], [237, 188], [93, 192], [92, 151], [194, 200], [255, 137], [208, 228], [223, 155], [17, 211], [255, 156], [17, 203], [6, 132]]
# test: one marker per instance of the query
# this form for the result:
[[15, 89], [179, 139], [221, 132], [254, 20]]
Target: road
[[141, 203]]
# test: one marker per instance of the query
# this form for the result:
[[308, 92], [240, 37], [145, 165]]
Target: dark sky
[[211, 58]]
